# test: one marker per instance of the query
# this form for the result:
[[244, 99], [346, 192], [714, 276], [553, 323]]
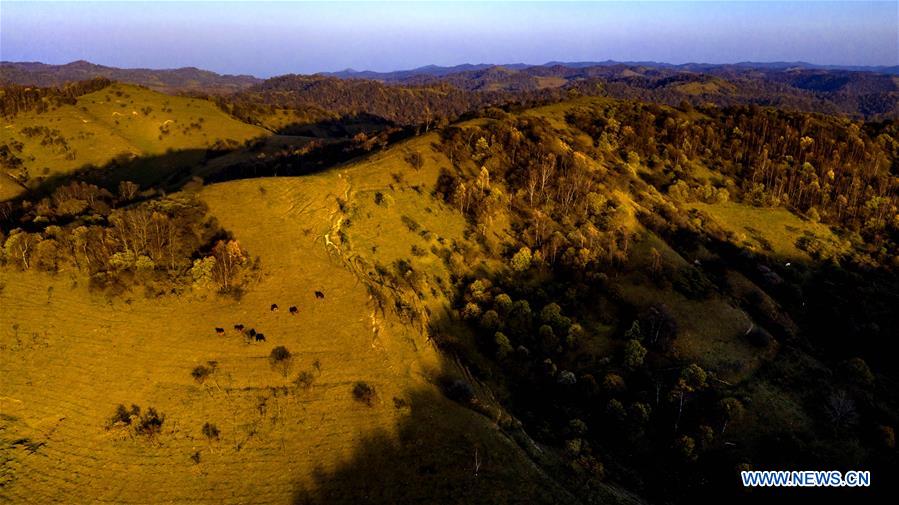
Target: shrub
[[210, 431], [364, 393], [278, 354], [304, 380], [200, 373], [410, 223], [150, 423], [123, 415]]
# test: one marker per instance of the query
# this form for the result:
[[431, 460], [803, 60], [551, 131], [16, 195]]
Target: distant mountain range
[[871, 92], [169, 80], [438, 71]]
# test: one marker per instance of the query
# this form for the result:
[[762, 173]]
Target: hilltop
[[116, 124]]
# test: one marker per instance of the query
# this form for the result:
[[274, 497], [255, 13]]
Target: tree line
[[123, 239], [15, 99]]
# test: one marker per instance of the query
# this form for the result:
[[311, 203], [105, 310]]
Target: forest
[[578, 196]]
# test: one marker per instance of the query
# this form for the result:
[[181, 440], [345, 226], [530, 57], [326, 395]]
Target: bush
[[210, 431], [365, 393], [304, 380], [200, 373], [150, 423], [123, 415], [278, 354]]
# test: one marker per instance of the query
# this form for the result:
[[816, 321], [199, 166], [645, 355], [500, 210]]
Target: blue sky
[[273, 38]]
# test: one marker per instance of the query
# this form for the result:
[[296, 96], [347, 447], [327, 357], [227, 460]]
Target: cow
[[252, 332], [220, 331], [260, 337], [319, 295], [294, 310], [238, 328], [274, 307]]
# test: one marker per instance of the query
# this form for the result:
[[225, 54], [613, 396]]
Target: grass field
[[765, 229], [70, 356]]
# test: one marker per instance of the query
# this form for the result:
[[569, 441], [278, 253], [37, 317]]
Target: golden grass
[[766, 229], [70, 356]]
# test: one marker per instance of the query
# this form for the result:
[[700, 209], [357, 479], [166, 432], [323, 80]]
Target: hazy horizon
[[265, 39]]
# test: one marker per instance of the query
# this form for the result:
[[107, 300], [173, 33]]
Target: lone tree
[[280, 358]]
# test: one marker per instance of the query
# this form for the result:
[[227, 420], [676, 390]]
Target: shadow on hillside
[[345, 126], [172, 170], [441, 453]]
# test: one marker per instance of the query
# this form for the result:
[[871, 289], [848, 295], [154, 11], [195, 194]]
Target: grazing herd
[[251, 335]]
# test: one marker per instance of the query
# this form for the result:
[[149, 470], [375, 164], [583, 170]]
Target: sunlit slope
[[121, 121], [69, 357], [774, 231]]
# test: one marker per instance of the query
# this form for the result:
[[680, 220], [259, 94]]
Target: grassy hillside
[[119, 122], [72, 355], [773, 231], [536, 307]]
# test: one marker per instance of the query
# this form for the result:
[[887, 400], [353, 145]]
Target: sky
[[272, 38]]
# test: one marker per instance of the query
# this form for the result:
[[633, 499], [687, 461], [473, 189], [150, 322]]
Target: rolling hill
[[119, 123]]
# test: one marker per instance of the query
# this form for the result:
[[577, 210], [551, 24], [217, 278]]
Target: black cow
[[319, 295], [238, 327], [294, 310], [274, 307], [260, 337], [252, 332], [220, 331]]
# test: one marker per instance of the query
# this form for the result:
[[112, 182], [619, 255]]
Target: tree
[[281, 359], [503, 345], [20, 247], [490, 320], [202, 272], [128, 190], [692, 378], [658, 327], [46, 255], [634, 352], [730, 410], [521, 261], [229, 258], [840, 409]]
